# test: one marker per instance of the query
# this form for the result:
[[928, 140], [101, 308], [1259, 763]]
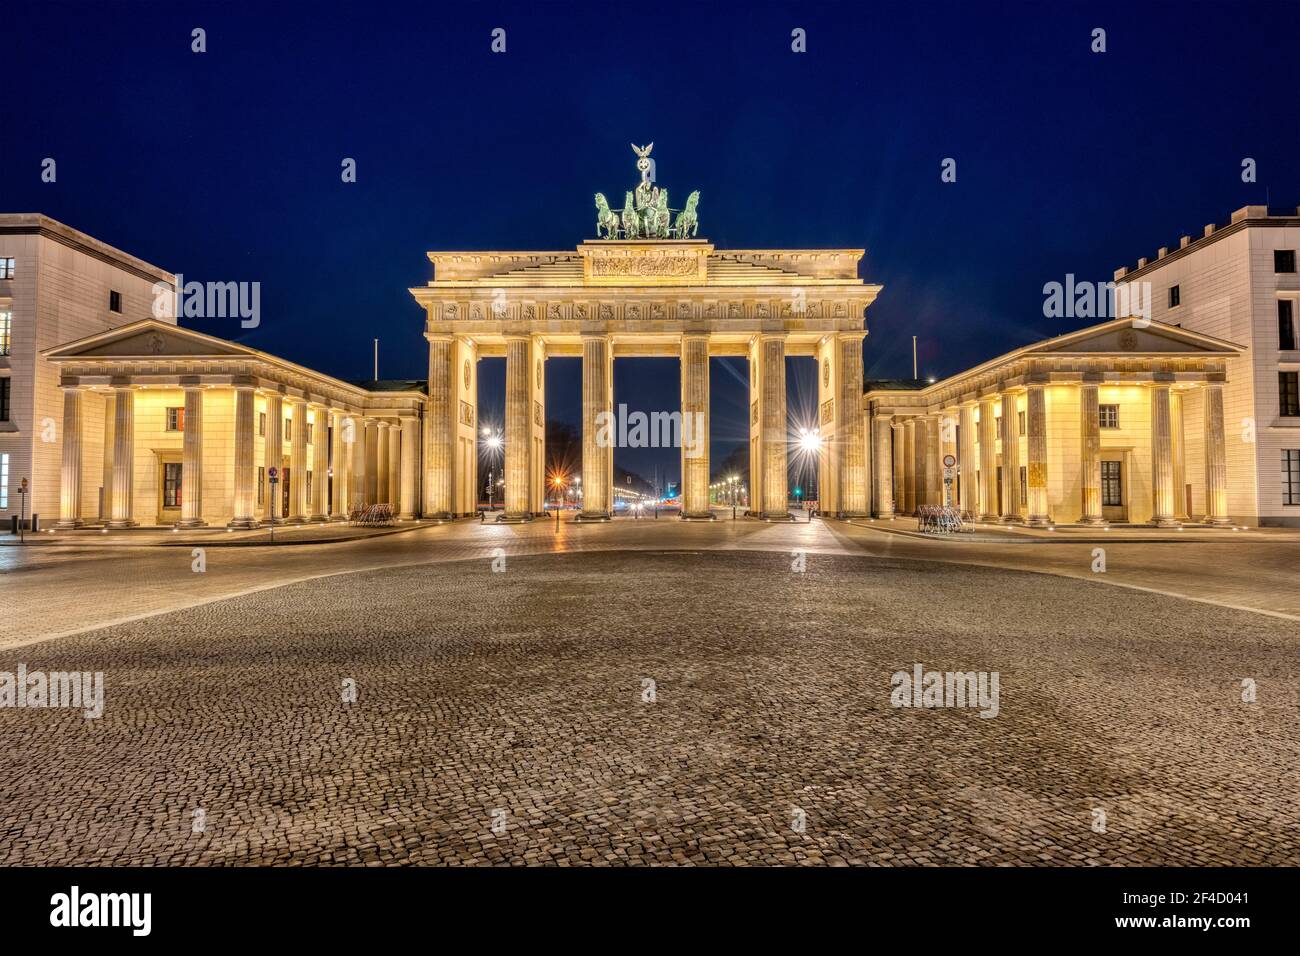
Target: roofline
[[35, 223], [1243, 218], [1033, 347]]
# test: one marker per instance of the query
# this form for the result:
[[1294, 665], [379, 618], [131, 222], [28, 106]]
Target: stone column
[[1036, 468], [245, 478], [882, 458], [384, 432], [850, 435], [776, 495], [518, 465], [273, 457], [1216, 458], [408, 496], [192, 460], [898, 432], [988, 459], [932, 462], [394, 470], [1162, 460], [298, 463], [597, 450], [70, 475], [967, 493], [909, 467], [1090, 454], [372, 461], [440, 450], [340, 463], [106, 480], [1010, 458], [695, 427], [1179, 456], [320, 463], [123, 457]]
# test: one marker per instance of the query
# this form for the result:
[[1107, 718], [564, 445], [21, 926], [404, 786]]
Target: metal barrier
[[933, 519], [372, 516]]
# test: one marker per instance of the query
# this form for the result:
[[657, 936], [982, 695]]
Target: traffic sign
[[274, 474], [949, 460]]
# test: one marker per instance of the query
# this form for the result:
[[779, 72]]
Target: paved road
[[51, 591], [520, 698]]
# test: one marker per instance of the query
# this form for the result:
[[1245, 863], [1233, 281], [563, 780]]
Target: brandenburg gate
[[646, 287]]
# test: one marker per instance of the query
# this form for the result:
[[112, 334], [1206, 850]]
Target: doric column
[[372, 461], [898, 432], [439, 454], [1162, 460], [1036, 469], [518, 465], [988, 459], [967, 493], [883, 459], [910, 477], [123, 457], [597, 428], [320, 463], [245, 477], [394, 464], [1010, 458], [1179, 455], [192, 460], [947, 490], [932, 463], [298, 463], [1090, 454], [1216, 458], [776, 495], [273, 457], [70, 475], [695, 427], [407, 496], [106, 479], [340, 463], [850, 435], [384, 433]]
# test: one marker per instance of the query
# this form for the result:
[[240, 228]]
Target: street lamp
[[493, 441]]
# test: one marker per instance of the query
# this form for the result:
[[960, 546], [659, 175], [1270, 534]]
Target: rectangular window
[[1288, 393], [1284, 260], [1109, 415], [1112, 489], [1285, 324], [261, 424], [288, 429], [4, 399], [172, 484], [6, 331], [1020, 421], [1291, 476], [309, 441], [176, 419], [1174, 296], [4, 481], [1024, 486], [7, 268], [261, 484], [114, 301], [308, 489]]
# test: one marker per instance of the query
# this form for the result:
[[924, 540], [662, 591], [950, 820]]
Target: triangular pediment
[[1135, 336], [147, 339]]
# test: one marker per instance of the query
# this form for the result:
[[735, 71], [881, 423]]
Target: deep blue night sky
[[225, 165]]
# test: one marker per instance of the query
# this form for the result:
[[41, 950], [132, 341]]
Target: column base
[[989, 519], [585, 516], [272, 521], [1093, 521], [1159, 522], [318, 519], [507, 518], [243, 524], [1219, 522], [408, 516], [118, 524], [1010, 519], [776, 516], [850, 515], [298, 520], [706, 516], [884, 516], [1038, 521], [191, 523], [68, 524]]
